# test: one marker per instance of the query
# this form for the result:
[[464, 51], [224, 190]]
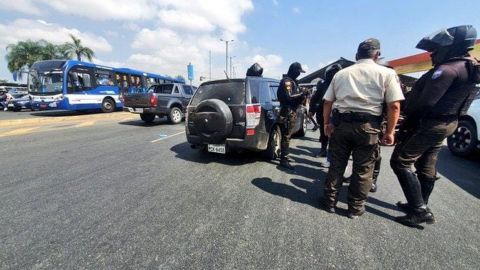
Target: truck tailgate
[[140, 100]]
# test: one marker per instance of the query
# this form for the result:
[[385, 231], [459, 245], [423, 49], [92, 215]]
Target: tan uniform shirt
[[363, 87]]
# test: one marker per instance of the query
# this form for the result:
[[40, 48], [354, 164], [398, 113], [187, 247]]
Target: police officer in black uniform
[[432, 112], [290, 97], [316, 104]]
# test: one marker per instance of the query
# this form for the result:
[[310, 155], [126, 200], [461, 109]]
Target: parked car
[[237, 114], [464, 141], [167, 99], [19, 102]]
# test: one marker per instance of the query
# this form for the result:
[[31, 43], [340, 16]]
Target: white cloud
[[185, 20], [275, 2], [296, 10], [25, 6], [271, 63], [104, 9], [23, 29]]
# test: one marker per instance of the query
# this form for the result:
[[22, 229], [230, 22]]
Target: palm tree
[[76, 48], [23, 54], [51, 51]]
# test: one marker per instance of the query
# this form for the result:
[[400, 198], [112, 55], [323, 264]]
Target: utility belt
[[350, 117]]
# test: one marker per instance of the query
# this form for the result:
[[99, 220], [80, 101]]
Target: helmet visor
[[440, 38]]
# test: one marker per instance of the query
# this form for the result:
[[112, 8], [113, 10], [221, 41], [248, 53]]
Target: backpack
[[473, 69]]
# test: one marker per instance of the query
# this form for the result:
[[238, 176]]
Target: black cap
[[369, 44], [297, 66]]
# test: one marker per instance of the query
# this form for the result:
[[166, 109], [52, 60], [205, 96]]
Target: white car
[[464, 141]]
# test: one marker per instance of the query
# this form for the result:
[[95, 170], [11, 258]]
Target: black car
[[20, 102], [236, 114]]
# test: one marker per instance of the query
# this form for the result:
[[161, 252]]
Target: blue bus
[[76, 85]]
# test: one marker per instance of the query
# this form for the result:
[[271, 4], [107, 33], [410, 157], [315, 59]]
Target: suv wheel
[[212, 120], [147, 117], [274, 140], [463, 142], [175, 115]]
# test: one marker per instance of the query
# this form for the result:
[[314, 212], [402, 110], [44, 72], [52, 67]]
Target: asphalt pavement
[[107, 191]]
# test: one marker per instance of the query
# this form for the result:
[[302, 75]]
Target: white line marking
[[161, 139]]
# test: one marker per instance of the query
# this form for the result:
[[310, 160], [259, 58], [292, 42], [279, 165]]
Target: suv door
[[217, 111]]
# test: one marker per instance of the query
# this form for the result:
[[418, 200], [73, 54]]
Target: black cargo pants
[[359, 139], [420, 148], [288, 121]]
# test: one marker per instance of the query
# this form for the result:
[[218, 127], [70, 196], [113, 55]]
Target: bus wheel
[[108, 105]]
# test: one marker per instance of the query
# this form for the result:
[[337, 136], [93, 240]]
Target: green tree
[[22, 55], [76, 48], [51, 51]]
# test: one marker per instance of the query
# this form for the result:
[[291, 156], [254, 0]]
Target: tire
[[108, 105], [212, 120], [463, 142], [175, 115], [147, 117], [274, 139], [303, 128]]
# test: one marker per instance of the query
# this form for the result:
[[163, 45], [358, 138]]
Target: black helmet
[[255, 70], [294, 70], [331, 70], [447, 43]]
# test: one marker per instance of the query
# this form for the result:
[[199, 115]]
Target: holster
[[335, 117]]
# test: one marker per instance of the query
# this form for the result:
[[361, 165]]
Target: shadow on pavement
[[464, 172]]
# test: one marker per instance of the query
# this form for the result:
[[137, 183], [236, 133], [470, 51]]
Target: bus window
[[103, 78], [81, 79]]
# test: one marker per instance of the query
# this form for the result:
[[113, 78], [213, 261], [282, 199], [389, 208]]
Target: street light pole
[[231, 65], [226, 54]]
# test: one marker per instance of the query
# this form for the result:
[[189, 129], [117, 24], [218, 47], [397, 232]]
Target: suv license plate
[[139, 110], [216, 148]]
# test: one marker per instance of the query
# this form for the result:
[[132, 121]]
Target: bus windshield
[[46, 83]]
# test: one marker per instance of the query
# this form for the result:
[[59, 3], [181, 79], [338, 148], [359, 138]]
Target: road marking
[[19, 131], [86, 124], [161, 139]]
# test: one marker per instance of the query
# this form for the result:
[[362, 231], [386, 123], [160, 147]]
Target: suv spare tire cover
[[213, 120]]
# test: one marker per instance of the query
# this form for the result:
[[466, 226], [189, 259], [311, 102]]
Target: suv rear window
[[232, 93]]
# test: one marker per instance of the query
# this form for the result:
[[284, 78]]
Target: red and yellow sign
[[422, 61]]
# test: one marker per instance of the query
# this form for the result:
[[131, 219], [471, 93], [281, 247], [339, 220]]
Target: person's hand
[[328, 128], [388, 139]]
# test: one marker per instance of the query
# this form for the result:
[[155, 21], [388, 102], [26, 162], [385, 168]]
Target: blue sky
[[164, 36]]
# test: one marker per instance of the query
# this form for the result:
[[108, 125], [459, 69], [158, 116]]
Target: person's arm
[[393, 112], [327, 110]]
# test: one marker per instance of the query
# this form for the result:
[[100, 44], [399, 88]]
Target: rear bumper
[[258, 142], [147, 110]]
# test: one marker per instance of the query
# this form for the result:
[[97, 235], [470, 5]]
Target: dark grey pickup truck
[[168, 99]]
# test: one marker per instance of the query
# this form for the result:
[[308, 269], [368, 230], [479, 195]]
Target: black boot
[[414, 219], [412, 190], [376, 172], [427, 185], [284, 149]]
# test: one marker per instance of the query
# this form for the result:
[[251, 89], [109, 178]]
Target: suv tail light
[[253, 118], [153, 100]]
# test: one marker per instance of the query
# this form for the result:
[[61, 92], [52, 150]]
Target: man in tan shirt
[[357, 94]]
